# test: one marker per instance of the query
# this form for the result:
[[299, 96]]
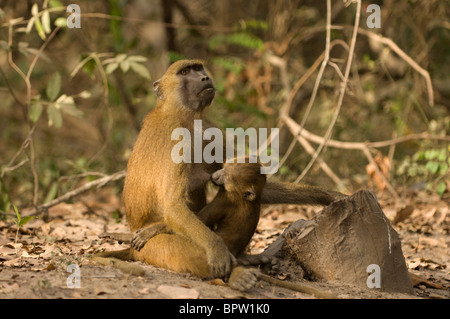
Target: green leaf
[[53, 86], [89, 66], [440, 189], [110, 68], [255, 24], [432, 167], [175, 56], [120, 57], [35, 9], [245, 40], [17, 214], [67, 105], [443, 168], [140, 69], [54, 116], [61, 22], [230, 64], [46, 21], [39, 28], [25, 220], [30, 25], [85, 94], [55, 4], [35, 111], [51, 193], [137, 58], [431, 154], [442, 155], [37, 21], [125, 66], [215, 41]]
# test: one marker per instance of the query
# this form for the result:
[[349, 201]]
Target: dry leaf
[[7, 250], [9, 288], [76, 295], [403, 214], [16, 262], [50, 267], [178, 292], [144, 291], [98, 291], [218, 282], [417, 280]]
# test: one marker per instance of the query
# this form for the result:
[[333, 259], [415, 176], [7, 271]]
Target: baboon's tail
[[116, 259], [124, 254]]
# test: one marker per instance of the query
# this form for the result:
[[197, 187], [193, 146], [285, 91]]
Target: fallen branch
[[97, 183]]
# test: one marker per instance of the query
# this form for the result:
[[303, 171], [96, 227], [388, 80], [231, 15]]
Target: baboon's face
[[243, 179], [196, 87]]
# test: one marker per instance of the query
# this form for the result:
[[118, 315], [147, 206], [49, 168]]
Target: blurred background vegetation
[[83, 92]]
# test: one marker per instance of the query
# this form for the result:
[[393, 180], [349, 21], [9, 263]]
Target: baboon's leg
[[178, 253], [174, 252]]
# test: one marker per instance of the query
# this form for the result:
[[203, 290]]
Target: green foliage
[[54, 106], [232, 64], [53, 86], [254, 24], [117, 216], [20, 221], [175, 56], [431, 166], [41, 19], [127, 62], [251, 88], [243, 39]]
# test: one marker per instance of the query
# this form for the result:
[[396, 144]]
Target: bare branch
[[97, 183], [343, 85], [394, 47]]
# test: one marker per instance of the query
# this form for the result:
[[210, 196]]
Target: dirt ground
[[38, 265]]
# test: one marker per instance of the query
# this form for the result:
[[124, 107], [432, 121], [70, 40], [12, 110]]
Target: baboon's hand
[[220, 260], [243, 279], [142, 235]]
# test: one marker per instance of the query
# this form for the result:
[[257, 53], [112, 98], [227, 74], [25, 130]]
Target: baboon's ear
[[250, 195], [158, 89]]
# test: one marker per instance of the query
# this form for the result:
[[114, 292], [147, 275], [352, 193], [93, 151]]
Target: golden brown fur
[[159, 191], [234, 212]]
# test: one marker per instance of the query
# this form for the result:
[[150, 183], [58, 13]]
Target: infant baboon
[[234, 212]]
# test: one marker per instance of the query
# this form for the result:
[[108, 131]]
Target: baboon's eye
[[184, 71], [197, 67]]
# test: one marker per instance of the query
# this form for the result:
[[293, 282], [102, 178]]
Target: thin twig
[[97, 183], [364, 147], [24, 145], [342, 92], [394, 47], [108, 107], [98, 15], [297, 86], [324, 57], [360, 145], [298, 133], [369, 156]]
